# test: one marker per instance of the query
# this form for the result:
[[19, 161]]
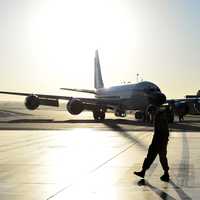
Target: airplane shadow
[[115, 123], [162, 194], [77, 121], [7, 113], [123, 132], [180, 191], [184, 165], [186, 126]]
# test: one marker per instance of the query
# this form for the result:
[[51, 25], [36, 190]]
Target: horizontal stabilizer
[[80, 90]]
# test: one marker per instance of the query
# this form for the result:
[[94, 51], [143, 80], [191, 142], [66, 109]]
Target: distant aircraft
[[189, 105], [143, 97]]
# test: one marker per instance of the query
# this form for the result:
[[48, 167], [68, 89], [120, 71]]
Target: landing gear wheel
[[99, 115]]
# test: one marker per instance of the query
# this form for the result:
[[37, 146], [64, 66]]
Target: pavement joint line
[[130, 146], [94, 170], [101, 165], [60, 191]]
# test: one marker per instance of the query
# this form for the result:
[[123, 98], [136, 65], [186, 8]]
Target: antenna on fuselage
[[137, 79]]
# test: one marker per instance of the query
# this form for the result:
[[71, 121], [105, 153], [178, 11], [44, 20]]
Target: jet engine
[[32, 102], [75, 106]]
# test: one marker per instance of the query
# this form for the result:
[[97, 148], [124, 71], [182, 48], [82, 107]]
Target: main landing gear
[[99, 114]]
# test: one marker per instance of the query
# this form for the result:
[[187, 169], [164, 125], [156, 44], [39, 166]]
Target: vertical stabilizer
[[98, 81]]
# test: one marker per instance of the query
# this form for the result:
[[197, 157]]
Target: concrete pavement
[[51, 157]]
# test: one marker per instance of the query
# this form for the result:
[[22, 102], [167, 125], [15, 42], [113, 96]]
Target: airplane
[[189, 105], [143, 98]]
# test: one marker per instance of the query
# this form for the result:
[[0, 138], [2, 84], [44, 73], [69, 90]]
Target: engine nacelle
[[32, 102], [75, 106]]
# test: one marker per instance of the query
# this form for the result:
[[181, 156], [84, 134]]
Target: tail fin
[[98, 81]]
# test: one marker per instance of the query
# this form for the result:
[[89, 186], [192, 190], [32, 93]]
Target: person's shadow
[[162, 194], [179, 191]]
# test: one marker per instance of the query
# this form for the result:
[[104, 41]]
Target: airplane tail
[[98, 81]]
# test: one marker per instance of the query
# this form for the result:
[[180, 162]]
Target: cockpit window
[[147, 86], [154, 89], [158, 90]]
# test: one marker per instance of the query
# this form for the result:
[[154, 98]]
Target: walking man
[[158, 146]]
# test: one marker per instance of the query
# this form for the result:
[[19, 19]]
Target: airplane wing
[[182, 107], [80, 90], [188, 99], [56, 97], [109, 103]]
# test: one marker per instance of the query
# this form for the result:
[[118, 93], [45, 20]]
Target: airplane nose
[[159, 99]]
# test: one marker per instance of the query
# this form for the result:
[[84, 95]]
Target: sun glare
[[53, 43], [65, 34]]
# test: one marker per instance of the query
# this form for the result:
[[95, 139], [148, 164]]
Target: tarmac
[[50, 155]]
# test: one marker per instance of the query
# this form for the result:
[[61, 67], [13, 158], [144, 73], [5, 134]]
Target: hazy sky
[[48, 44]]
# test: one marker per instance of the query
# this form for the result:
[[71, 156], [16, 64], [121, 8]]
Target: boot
[[140, 174], [165, 177]]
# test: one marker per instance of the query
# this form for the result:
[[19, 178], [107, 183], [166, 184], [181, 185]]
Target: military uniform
[[158, 146]]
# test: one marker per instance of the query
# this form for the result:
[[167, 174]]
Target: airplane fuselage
[[133, 96]]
